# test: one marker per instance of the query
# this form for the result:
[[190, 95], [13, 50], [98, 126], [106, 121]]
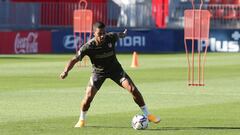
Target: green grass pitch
[[33, 100]]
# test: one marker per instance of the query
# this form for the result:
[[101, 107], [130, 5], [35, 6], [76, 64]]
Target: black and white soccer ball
[[140, 122]]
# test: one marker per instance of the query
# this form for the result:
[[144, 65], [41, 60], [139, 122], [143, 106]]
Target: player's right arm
[[68, 67], [81, 53]]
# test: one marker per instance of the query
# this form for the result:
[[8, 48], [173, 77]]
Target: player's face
[[99, 35]]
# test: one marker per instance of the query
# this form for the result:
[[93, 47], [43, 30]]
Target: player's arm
[[81, 53], [122, 34], [115, 36], [68, 67]]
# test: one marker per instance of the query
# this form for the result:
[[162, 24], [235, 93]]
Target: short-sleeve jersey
[[103, 56]]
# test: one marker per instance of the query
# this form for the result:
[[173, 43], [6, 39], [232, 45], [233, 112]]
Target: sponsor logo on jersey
[[104, 55]]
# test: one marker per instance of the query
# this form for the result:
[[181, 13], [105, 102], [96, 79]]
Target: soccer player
[[101, 51]]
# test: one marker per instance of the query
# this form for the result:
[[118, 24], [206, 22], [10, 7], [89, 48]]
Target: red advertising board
[[25, 42]]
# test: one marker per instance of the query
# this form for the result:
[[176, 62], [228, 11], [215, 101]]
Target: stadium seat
[[231, 11], [215, 8], [237, 4]]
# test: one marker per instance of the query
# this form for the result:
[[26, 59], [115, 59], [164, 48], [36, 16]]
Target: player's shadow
[[194, 128], [116, 127], [171, 128]]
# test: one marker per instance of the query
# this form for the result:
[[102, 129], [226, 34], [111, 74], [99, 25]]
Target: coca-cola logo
[[27, 44]]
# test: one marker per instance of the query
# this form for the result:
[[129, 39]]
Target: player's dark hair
[[99, 25]]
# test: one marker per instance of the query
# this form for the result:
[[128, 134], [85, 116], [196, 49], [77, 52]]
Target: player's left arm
[[122, 34], [115, 36]]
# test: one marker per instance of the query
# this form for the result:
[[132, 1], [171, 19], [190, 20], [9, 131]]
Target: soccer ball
[[139, 122]]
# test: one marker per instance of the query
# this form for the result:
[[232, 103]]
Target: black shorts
[[96, 80]]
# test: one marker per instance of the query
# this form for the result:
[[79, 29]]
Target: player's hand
[[123, 34], [63, 75]]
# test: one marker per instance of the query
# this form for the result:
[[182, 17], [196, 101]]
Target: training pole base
[[196, 84]]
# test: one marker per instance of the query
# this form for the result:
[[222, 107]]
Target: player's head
[[99, 31]]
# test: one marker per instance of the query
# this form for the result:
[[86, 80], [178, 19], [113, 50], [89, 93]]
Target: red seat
[[232, 9], [237, 3], [215, 8], [215, 2]]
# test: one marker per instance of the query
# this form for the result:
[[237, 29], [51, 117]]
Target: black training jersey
[[103, 57]]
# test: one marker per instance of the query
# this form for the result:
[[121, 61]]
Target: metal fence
[[141, 15], [56, 15], [113, 15], [222, 16], [19, 16]]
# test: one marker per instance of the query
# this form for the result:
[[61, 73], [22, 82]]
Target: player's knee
[[131, 88]]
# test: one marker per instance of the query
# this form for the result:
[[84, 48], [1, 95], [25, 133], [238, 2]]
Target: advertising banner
[[147, 41], [224, 40], [63, 41], [25, 42], [152, 41]]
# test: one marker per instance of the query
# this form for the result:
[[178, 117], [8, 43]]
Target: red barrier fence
[[58, 13], [144, 14]]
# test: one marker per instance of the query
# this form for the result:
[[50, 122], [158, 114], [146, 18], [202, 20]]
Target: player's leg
[[94, 85], [137, 96], [127, 84], [125, 81], [85, 104]]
